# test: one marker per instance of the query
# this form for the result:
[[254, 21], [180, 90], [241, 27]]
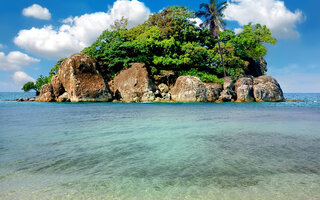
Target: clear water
[[160, 151]]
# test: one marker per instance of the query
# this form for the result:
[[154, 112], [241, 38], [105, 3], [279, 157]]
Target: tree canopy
[[170, 41]]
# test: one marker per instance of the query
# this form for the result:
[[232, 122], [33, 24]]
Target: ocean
[[156, 151]]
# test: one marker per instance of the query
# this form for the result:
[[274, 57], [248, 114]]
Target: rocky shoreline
[[79, 80]]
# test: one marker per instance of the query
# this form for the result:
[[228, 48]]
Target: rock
[[228, 93], [148, 96], [63, 98], [166, 96], [257, 67], [133, 84], [294, 100], [81, 79], [46, 94], [213, 91], [244, 89], [57, 86], [165, 76], [163, 88], [188, 89], [267, 89]]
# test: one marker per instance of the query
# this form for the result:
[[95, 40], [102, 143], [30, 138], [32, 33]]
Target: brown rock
[[81, 79], [57, 86], [188, 89], [46, 94], [63, 98], [163, 88], [267, 89], [133, 84], [213, 91], [244, 89]]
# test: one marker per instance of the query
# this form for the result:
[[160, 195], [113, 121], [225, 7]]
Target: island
[[169, 58]]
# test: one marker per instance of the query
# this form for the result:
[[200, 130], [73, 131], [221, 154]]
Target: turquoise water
[[160, 151]]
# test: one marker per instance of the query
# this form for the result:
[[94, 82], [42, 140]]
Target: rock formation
[[228, 93], [267, 89], [57, 86], [133, 84], [82, 81], [188, 89], [244, 89], [213, 91], [46, 94]]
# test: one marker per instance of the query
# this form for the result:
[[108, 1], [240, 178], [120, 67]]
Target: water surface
[[160, 151]]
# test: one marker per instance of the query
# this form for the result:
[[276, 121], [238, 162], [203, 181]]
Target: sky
[[34, 34]]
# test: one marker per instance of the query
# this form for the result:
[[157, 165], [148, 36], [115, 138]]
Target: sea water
[[227, 151]]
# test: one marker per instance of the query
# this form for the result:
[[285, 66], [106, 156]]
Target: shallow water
[[160, 151]]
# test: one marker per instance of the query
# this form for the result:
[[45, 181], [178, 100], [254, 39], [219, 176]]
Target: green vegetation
[[42, 80], [213, 14], [171, 41]]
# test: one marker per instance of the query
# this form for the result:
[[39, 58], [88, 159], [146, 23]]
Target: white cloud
[[79, 32], [238, 30], [272, 13], [197, 20], [37, 12], [15, 60], [20, 78]]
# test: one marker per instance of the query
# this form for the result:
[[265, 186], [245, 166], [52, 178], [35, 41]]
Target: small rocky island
[[79, 80], [168, 58]]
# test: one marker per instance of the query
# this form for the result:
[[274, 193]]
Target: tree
[[213, 14], [30, 86]]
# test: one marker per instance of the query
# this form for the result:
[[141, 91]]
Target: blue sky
[[34, 34]]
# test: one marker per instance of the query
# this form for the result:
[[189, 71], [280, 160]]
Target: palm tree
[[213, 14]]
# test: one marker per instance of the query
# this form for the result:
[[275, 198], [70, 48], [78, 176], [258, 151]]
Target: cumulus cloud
[[197, 20], [272, 13], [15, 60], [20, 78], [79, 32], [37, 12]]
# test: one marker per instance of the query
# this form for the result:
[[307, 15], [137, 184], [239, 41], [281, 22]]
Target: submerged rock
[[133, 84], [267, 89], [244, 89], [82, 81], [188, 89]]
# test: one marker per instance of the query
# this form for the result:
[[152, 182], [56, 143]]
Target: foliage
[[170, 41], [205, 77], [42, 80], [213, 14], [29, 86]]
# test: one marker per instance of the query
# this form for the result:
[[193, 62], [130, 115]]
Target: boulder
[[267, 89], [244, 89], [133, 84], [63, 98], [228, 93], [82, 81], [57, 86], [163, 88], [188, 89], [46, 94], [213, 91]]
